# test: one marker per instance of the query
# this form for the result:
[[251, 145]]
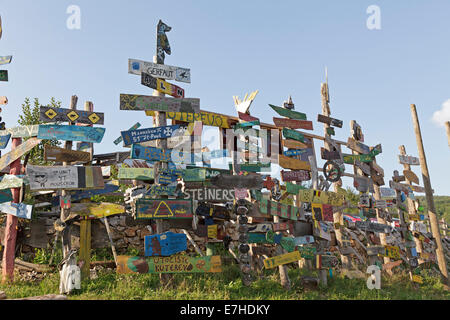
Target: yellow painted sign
[[207, 118], [391, 252], [282, 259], [321, 197], [212, 231], [97, 210], [417, 278]]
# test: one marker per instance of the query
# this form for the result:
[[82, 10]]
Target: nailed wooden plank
[[19, 151], [279, 209], [97, 210], [329, 155], [231, 181], [49, 114], [400, 187], [21, 132], [163, 209], [71, 133], [207, 118], [288, 113], [294, 135], [247, 117], [136, 174], [412, 161], [161, 71], [20, 210], [273, 262], [52, 153], [172, 264], [358, 146], [210, 194], [363, 166], [330, 121], [288, 143], [135, 102], [297, 175], [65, 177], [4, 75], [4, 141], [161, 86], [293, 123], [411, 176], [293, 164], [377, 169], [9, 181], [255, 167], [165, 244]]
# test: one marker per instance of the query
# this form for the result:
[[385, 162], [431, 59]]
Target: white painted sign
[[160, 71], [52, 177], [413, 161], [387, 192]]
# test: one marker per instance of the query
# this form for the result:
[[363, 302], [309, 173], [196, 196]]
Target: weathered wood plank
[[136, 174], [4, 141], [120, 139], [52, 153], [161, 86], [96, 210], [298, 175], [19, 151], [293, 123], [330, 121], [149, 134], [153, 103], [294, 135], [231, 181], [293, 164], [165, 244], [210, 194], [5, 60], [288, 143], [412, 161], [20, 210], [207, 118], [161, 71], [273, 262]]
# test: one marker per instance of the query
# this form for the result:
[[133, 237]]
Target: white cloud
[[440, 117]]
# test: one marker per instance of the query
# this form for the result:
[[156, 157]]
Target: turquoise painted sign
[[71, 133], [4, 141]]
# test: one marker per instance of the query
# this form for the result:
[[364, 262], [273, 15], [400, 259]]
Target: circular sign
[[331, 171]]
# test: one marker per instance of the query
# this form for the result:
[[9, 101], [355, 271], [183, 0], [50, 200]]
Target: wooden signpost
[[161, 71], [97, 210], [293, 124], [165, 244], [163, 209], [65, 177], [71, 133], [288, 113], [17, 152], [52, 153], [49, 114], [172, 264], [161, 85], [136, 174], [157, 103]]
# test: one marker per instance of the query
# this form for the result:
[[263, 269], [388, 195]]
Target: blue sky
[[233, 47]]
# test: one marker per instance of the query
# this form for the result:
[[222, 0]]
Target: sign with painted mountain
[[71, 133], [163, 209], [48, 114], [161, 71]]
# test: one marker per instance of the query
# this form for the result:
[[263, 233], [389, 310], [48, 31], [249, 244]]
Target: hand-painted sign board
[[19, 151], [52, 153], [20, 210], [288, 143], [411, 176], [150, 153], [351, 158], [161, 86], [210, 194], [4, 141], [293, 164], [288, 113], [4, 75], [162, 104], [293, 124], [87, 194], [5, 60], [161, 71], [373, 227], [172, 264], [303, 240], [9, 181], [330, 121], [71, 133], [49, 114], [97, 210], [157, 190], [21, 132], [329, 155], [207, 118], [234, 181], [387, 192], [136, 174], [165, 244], [149, 134], [358, 146], [322, 197], [282, 259], [412, 161], [294, 135], [5, 196], [260, 227], [163, 209], [391, 252], [120, 139], [298, 175], [326, 261], [279, 209], [65, 177]]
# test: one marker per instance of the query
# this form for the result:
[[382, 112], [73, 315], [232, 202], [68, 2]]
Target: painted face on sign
[[41, 178]]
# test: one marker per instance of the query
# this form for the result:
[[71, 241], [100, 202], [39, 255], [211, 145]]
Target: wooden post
[[447, 127], [430, 201], [11, 224]]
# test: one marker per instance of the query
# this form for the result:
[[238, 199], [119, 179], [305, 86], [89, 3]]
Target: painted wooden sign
[[276, 261], [19, 151], [4, 141], [136, 174], [380, 204], [330, 121], [169, 176], [165, 244], [419, 189], [65, 177], [163, 209], [292, 123], [5, 60], [358, 146], [196, 174], [172, 264], [365, 168], [400, 187], [9, 181], [255, 167], [210, 194], [295, 152], [298, 175], [293, 144], [5, 196], [363, 184], [156, 190], [4, 75], [293, 164], [387, 192], [288, 113], [246, 124], [120, 139], [247, 117], [326, 261], [279, 209], [329, 155], [308, 253], [49, 114], [207, 118], [412, 161], [161, 71], [52, 153], [162, 104], [281, 226], [373, 227], [71, 133], [21, 132], [20, 210], [87, 194], [411, 176], [294, 188], [161, 86], [322, 197], [232, 181], [298, 241], [149, 134], [240, 193], [150, 153], [260, 227], [391, 252], [351, 158], [257, 238], [294, 135], [97, 210]]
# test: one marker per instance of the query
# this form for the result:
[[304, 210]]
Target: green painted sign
[[193, 175], [136, 174], [246, 124], [293, 188], [292, 134], [351, 158], [288, 113], [276, 208]]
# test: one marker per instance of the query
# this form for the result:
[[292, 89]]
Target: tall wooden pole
[[11, 223], [447, 128], [430, 201]]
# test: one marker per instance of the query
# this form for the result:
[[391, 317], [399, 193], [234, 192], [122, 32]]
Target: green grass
[[228, 285]]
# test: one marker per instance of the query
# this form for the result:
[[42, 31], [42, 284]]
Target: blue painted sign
[[120, 139], [71, 133], [162, 191], [86, 194], [4, 141], [149, 134], [294, 152], [165, 244], [150, 153], [20, 210], [169, 176]]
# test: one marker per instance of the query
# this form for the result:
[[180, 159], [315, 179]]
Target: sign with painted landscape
[[172, 264], [136, 174], [19, 151], [412, 161], [97, 210], [149, 134], [291, 114], [163, 209], [49, 114], [71, 133], [165, 244], [64, 177], [135, 102], [161, 71], [57, 154], [20, 210], [4, 141]]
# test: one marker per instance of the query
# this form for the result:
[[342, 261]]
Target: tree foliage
[[30, 116]]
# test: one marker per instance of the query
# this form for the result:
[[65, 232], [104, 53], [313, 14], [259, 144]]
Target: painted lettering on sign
[[161, 71], [163, 209], [210, 194], [154, 103], [149, 134], [71, 133]]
